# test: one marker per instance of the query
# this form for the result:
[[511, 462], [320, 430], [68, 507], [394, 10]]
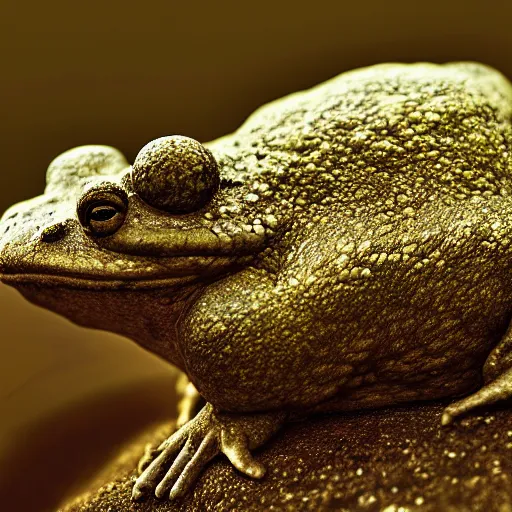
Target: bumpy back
[[393, 133]]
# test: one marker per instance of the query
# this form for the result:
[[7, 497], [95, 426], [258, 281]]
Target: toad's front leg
[[183, 455], [238, 351]]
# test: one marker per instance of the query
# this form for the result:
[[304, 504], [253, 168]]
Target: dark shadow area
[[57, 456]]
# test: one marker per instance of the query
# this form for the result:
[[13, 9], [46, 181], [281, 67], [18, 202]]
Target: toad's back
[[387, 135]]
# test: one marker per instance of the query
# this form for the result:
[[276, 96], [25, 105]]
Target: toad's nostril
[[53, 233]]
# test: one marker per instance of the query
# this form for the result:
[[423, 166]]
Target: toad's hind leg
[[497, 381]]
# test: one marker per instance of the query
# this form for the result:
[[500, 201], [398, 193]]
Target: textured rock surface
[[392, 459]]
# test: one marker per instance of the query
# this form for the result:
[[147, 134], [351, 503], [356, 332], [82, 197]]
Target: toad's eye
[[104, 218], [102, 211]]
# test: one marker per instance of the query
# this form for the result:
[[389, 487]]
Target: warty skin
[[348, 247]]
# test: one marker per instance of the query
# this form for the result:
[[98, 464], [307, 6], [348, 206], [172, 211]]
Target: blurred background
[[123, 73]]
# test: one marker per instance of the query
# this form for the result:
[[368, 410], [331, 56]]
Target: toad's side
[[348, 247]]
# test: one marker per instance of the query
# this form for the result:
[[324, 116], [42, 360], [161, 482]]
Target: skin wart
[[348, 247]]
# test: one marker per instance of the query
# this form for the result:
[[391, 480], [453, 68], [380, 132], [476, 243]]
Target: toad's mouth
[[124, 274], [160, 258]]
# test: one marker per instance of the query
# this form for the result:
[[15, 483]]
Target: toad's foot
[[498, 389], [189, 404], [183, 456]]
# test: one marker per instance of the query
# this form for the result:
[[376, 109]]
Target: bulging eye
[[104, 219], [102, 210]]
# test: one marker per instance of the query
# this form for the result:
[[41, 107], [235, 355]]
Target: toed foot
[[182, 456]]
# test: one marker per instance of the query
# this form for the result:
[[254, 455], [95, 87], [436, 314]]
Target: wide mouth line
[[93, 282], [205, 268], [114, 278], [175, 268]]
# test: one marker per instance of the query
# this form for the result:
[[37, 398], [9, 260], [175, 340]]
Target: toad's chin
[[146, 311]]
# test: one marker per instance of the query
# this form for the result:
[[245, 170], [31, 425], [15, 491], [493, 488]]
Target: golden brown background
[[123, 73]]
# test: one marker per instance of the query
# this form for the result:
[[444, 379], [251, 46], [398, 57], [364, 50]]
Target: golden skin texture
[[353, 252]]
